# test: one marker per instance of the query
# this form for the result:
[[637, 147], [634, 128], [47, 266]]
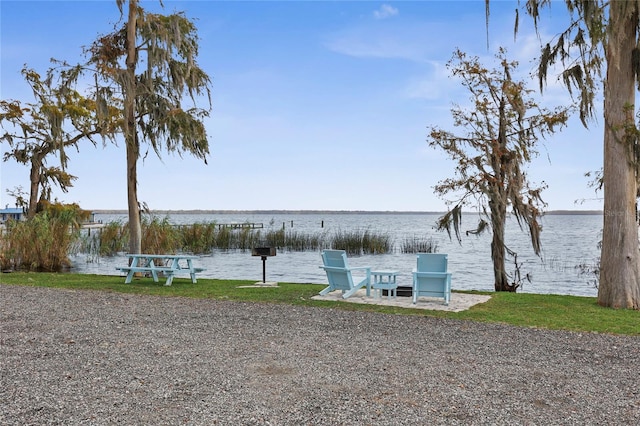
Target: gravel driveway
[[87, 357]]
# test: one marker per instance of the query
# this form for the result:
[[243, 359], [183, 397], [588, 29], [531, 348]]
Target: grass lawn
[[574, 313]]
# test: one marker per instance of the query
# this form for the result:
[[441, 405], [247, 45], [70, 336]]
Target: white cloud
[[436, 85], [377, 47], [385, 12], [409, 42]]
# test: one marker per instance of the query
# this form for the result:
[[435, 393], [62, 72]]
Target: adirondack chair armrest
[[338, 269], [431, 274], [334, 268], [360, 268]]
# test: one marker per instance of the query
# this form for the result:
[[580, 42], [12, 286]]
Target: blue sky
[[316, 104]]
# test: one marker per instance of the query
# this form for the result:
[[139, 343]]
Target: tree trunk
[[135, 227], [620, 258], [131, 140], [498, 222], [34, 184], [498, 202]]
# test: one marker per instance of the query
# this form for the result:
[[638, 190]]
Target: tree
[[151, 63], [502, 129], [58, 119], [606, 33]]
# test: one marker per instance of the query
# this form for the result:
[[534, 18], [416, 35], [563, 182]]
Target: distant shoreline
[[363, 212]]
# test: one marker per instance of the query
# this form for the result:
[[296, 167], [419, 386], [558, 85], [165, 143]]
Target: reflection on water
[[567, 241]]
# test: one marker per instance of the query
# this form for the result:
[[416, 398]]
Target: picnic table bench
[[154, 264]]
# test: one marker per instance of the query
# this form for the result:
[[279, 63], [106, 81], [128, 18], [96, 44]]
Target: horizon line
[[320, 211]]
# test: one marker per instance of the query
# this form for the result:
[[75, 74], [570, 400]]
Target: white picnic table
[[167, 264]]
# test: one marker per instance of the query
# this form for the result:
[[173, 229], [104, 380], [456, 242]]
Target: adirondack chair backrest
[[431, 278], [339, 274], [340, 278], [432, 262], [335, 258]]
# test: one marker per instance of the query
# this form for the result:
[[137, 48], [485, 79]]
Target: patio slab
[[459, 301]]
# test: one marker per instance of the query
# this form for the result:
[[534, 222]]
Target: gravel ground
[[83, 357]]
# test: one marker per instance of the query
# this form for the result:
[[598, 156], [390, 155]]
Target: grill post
[[263, 252]]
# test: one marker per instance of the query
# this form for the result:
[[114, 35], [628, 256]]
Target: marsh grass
[[418, 245], [557, 312], [300, 241], [277, 238], [198, 237], [42, 243], [223, 239], [160, 236], [373, 243], [358, 242], [114, 238], [246, 239]]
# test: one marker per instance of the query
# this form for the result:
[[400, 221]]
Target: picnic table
[[154, 264]]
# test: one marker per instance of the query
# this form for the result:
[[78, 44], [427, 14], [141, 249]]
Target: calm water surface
[[567, 241]]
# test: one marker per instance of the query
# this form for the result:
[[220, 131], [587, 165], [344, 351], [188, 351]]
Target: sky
[[316, 105]]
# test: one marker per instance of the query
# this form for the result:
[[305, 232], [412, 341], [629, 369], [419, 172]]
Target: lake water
[[567, 241]]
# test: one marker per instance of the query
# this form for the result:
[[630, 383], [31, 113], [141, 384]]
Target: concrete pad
[[260, 284], [459, 301]]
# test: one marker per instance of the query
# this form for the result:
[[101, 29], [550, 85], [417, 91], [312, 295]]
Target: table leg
[[134, 262], [192, 271], [368, 283], [154, 274], [169, 278]]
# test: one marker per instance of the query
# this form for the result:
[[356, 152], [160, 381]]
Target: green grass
[[579, 314]]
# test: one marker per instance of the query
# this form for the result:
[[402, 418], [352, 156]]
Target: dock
[[244, 225]]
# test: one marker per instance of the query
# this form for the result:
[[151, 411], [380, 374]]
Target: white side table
[[384, 280]]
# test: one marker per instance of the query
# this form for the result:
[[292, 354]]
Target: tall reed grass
[[198, 237], [42, 243], [160, 236], [418, 245], [359, 242], [113, 238]]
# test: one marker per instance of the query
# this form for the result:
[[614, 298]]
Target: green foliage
[[579, 50], [150, 62], [58, 119], [501, 133], [502, 130], [603, 35], [71, 213]]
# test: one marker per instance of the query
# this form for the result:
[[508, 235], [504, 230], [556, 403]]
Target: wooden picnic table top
[[161, 256]]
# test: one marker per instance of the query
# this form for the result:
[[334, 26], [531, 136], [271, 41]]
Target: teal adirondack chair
[[339, 274], [430, 278]]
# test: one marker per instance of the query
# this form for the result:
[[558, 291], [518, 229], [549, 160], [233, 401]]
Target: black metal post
[[264, 269]]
